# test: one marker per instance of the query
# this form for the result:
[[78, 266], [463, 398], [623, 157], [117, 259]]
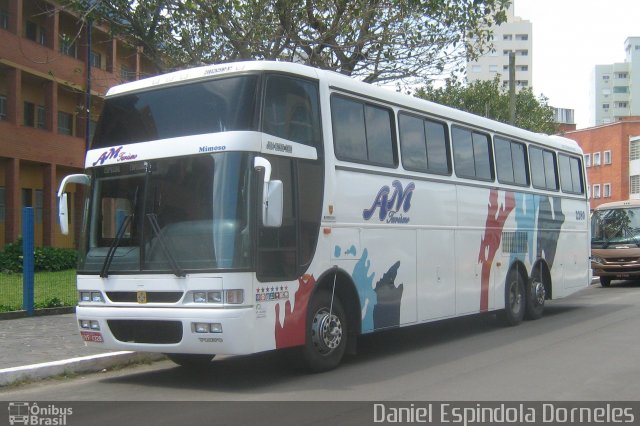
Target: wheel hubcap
[[326, 331], [539, 292], [515, 297]]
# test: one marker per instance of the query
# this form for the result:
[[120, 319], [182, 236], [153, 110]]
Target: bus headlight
[[200, 297], [214, 297], [87, 296], [234, 297]]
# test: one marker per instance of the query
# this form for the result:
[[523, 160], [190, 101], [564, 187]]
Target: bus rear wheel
[[326, 335], [514, 299], [191, 361], [536, 295]]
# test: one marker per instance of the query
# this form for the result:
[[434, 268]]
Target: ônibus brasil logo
[[390, 205], [115, 153]]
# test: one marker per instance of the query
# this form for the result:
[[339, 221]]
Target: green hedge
[[45, 258]]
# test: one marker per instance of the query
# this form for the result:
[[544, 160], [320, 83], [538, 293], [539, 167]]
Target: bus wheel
[[514, 299], [536, 294], [605, 282], [326, 337], [191, 361]]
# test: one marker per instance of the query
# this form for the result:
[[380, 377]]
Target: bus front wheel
[[191, 361], [326, 335], [514, 299]]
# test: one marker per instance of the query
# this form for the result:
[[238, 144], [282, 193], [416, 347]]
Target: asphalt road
[[585, 348]]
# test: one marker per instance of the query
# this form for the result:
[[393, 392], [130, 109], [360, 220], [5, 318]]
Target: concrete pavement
[[46, 346]]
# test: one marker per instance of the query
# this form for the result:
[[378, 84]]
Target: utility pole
[[87, 130], [512, 87]]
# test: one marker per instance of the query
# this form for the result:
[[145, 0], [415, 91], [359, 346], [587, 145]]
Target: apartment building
[[612, 159], [43, 60], [617, 86], [514, 35]]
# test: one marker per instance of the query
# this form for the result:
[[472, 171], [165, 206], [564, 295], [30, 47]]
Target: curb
[[85, 364]]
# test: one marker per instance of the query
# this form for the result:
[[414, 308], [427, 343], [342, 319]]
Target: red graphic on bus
[[496, 217], [292, 332]]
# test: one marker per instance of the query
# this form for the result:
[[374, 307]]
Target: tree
[[374, 40], [489, 99]]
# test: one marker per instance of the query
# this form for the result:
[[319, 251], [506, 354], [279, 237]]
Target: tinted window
[[570, 174], [543, 169], [362, 132], [291, 110], [424, 145], [190, 109], [510, 162], [472, 154]]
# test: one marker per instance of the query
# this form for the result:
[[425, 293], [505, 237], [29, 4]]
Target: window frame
[[489, 139], [532, 149], [447, 142], [393, 131], [512, 142], [606, 154], [580, 176]]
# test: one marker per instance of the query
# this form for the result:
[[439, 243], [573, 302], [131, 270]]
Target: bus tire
[[326, 336], [191, 361], [536, 294], [514, 299], [605, 282]]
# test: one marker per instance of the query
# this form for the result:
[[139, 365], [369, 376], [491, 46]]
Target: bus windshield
[[615, 226], [170, 215], [211, 106]]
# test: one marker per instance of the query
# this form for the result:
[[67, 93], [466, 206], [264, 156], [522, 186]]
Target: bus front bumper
[[169, 330]]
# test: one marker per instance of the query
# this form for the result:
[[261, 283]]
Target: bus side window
[[472, 154]]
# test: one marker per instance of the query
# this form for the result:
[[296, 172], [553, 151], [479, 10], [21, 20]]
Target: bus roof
[[618, 205], [341, 82]]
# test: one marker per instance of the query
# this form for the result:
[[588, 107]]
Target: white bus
[[246, 207]]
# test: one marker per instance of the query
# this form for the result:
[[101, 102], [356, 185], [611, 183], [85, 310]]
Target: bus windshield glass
[[615, 226], [211, 106], [170, 215]]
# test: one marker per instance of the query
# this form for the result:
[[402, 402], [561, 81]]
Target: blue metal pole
[[28, 263]]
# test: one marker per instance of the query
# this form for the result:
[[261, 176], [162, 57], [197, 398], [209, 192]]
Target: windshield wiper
[[175, 268], [104, 272]]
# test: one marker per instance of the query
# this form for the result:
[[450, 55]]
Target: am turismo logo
[[390, 203]]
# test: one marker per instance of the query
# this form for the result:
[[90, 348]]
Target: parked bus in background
[[246, 207], [615, 241]]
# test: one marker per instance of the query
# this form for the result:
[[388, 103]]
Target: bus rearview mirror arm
[[63, 212], [272, 195]]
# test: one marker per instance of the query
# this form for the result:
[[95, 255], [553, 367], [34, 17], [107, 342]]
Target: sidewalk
[[46, 346]]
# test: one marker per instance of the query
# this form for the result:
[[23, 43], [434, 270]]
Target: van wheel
[[326, 336], [191, 361], [536, 294], [605, 282], [514, 299]]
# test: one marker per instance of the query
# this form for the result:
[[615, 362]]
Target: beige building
[[617, 86], [513, 35]]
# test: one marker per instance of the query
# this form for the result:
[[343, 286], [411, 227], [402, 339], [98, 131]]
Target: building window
[[587, 160], [596, 158], [606, 190], [621, 105], [29, 114], [3, 107], [35, 32], [596, 190], [39, 206], [40, 116], [522, 52], [605, 107], [65, 123], [607, 157], [623, 75], [2, 204], [476, 68], [493, 68], [507, 37], [125, 73], [634, 184], [4, 20], [634, 150], [95, 59], [522, 68], [620, 89], [68, 46], [522, 37], [605, 77]]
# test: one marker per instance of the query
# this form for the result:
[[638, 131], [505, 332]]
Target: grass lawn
[[52, 289]]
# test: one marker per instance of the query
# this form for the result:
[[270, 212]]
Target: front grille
[[152, 296], [146, 331]]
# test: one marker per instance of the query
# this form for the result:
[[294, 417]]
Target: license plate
[[91, 336]]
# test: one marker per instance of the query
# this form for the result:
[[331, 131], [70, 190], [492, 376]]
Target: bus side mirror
[[63, 211], [272, 195]]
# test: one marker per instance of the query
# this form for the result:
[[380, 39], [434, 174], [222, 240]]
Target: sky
[[571, 37]]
